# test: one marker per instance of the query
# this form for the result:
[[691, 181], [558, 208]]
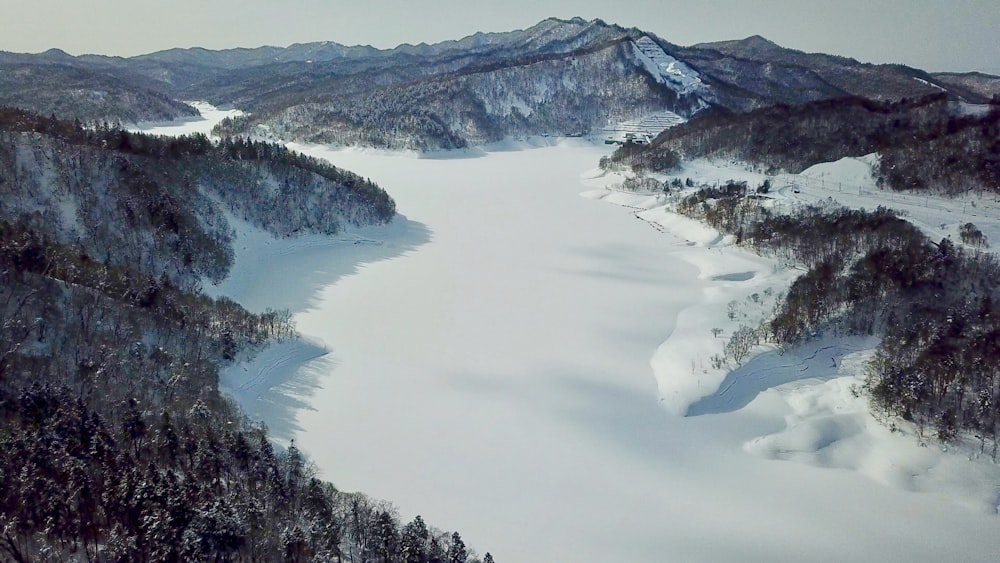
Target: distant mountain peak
[[760, 40], [754, 45], [55, 53], [575, 20]]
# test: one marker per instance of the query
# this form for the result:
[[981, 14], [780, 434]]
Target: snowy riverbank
[[827, 420]]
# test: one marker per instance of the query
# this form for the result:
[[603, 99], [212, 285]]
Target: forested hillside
[[932, 303], [923, 144], [754, 72], [160, 204], [117, 444], [557, 77], [873, 273], [71, 90], [792, 138], [540, 95]]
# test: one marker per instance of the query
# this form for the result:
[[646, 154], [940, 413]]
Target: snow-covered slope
[[643, 129], [666, 69]]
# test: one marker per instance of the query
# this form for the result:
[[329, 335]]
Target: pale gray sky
[[955, 35]]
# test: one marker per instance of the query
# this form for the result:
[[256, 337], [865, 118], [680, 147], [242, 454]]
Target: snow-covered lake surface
[[210, 116], [490, 368], [512, 360]]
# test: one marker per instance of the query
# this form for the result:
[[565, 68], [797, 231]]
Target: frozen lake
[[489, 368]]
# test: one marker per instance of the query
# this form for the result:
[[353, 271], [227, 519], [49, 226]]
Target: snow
[[510, 359], [848, 182], [210, 117], [502, 377], [829, 426], [666, 69], [266, 387], [645, 128], [69, 211], [521, 107], [682, 364], [976, 110], [931, 84], [848, 170]]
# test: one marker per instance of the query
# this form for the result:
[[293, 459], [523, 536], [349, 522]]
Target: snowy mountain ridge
[[594, 74]]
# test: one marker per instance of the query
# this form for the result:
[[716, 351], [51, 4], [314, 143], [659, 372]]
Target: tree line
[[274, 156]]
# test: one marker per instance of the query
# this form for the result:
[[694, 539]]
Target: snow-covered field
[[510, 359]]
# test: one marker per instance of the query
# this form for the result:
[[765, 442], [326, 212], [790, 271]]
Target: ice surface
[[497, 379], [210, 117], [494, 361]]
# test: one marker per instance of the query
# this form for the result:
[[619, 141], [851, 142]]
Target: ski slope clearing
[[666, 69], [494, 362]]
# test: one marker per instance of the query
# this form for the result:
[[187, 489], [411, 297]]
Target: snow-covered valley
[[513, 359], [490, 366]]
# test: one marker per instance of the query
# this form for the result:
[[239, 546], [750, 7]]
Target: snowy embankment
[[488, 364], [272, 272], [849, 182], [729, 276], [828, 422]]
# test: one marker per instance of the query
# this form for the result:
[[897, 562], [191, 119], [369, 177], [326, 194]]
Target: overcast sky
[[955, 35]]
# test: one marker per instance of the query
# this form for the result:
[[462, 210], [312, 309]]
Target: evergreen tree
[[414, 541], [456, 550], [386, 537]]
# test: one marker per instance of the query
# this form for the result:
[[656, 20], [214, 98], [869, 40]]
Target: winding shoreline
[[510, 412], [725, 273]]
